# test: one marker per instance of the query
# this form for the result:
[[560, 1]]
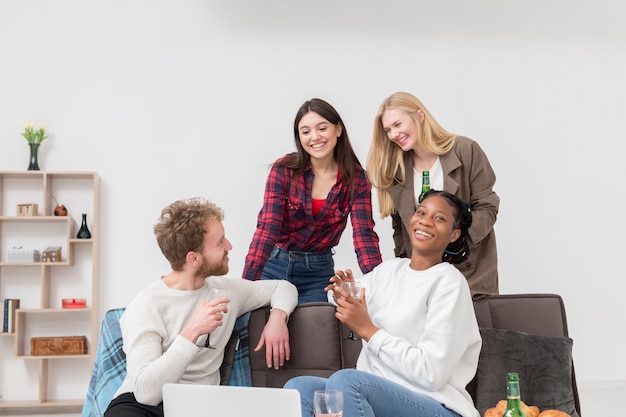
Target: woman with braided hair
[[416, 319]]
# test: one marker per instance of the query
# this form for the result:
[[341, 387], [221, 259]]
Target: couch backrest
[[319, 344], [541, 314]]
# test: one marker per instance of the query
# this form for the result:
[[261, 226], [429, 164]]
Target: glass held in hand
[[328, 403], [214, 294], [353, 288]]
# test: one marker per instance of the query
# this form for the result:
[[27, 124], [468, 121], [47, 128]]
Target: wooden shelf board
[[31, 264], [52, 310], [26, 357], [78, 403]]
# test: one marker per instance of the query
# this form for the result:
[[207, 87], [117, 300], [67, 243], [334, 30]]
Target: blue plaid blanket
[[109, 368], [240, 373]]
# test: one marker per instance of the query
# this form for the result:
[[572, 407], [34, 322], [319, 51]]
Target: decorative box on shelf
[[51, 254], [62, 345], [74, 303], [26, 209], [21, 254]]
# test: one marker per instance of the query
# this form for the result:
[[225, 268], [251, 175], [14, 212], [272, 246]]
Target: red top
[[317, 205]]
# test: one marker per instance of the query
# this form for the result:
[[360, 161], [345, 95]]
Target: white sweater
[[151, 324], [428, 339]]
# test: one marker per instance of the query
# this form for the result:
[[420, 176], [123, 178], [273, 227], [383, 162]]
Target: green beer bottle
[[425, 185], [513, 398]]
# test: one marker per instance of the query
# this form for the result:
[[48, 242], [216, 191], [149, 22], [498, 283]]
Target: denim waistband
[[301, 256]]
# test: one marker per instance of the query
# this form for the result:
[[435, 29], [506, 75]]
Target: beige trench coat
[[468, 175]]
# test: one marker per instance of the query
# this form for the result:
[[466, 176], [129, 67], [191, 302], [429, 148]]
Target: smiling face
[[432, 228], [401, 128], [318, 136], [214, 250]]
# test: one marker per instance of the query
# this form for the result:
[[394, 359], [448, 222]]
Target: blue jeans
[[368, 395], [308, 271]]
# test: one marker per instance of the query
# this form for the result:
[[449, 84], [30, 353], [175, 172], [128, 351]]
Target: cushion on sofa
[[543, 364]]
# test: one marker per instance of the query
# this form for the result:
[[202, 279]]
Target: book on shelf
[[8, 314]]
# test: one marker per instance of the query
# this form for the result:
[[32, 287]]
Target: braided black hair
[[457, 251]]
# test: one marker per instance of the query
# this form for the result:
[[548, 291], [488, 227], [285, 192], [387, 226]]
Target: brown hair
[[343, 153], [182, 226]]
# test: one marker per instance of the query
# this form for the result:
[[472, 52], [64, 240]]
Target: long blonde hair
[[385, 158]]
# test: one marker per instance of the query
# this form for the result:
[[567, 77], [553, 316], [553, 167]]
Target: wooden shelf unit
[[40, 286]]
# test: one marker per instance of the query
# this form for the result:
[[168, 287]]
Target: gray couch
[[319, 344]]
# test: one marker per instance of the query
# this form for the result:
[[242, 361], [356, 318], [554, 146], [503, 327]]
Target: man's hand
[[276, 338], [205, 319]]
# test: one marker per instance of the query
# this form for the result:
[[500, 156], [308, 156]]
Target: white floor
[[597, 399], [600, 399]]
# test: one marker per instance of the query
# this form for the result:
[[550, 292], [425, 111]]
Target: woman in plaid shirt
[[309, 195]]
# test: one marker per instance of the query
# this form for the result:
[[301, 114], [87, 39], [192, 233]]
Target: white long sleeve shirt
[[428, 340], [157, 354]]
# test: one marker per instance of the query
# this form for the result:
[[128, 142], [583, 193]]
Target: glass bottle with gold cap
[[513, 397]]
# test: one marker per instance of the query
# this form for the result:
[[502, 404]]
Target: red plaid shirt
[[286, 219]]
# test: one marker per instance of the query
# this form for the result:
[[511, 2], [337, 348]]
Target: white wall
[[173, 99]]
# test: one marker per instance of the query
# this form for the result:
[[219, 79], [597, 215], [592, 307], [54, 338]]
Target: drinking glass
[[354, 289], [214, 293], [328, 403]]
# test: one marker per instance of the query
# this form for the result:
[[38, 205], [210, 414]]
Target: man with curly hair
[[166, 326]]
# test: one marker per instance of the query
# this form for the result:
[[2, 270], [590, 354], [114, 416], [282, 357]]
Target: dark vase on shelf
[[84, 232], [33, 163]]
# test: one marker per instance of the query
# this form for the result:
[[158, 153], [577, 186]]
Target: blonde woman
[[407, 140]]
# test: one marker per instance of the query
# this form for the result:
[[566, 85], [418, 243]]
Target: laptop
[[185, 400]]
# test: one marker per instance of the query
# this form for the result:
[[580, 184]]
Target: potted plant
[[34, 137]]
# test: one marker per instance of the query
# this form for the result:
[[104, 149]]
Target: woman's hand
[[339, 277], [353, 313]]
